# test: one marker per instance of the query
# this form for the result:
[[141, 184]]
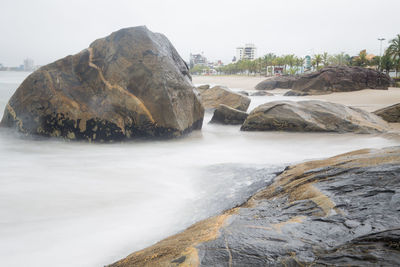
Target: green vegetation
[[291, 64], [393, 52]]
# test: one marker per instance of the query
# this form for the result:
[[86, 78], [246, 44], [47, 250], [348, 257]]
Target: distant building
[[247, 52], [28, 64], [197, 59]]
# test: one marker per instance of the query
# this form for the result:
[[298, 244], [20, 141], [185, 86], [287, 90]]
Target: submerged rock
[[312, 116], [390, 114], [339, 79], [217, 95], [130, 84], [338, 211], [261, 93], [227, 115]]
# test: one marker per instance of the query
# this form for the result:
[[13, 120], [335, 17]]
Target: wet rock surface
[[130, 84], [227, 115], [217, 95], [261, 93], [312, 116], [390, 114], [342, 211]]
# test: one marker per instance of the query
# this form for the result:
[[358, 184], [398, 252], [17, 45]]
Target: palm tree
[[325, 58], [317, 59], [386, 63], [394, 51]]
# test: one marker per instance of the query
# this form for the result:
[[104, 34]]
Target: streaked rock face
[[312, 116], [212, 98], [130, 84], [341, 211]]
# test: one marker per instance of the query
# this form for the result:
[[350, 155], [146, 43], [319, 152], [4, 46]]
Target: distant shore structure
[[29, 64], [246, 52], [197, 59]]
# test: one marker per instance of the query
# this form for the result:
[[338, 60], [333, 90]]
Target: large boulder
[[217, 95], [340, 211], [390, 114], [227, 115], [130, 84], [312, 116], [339, 79], [282, 82]]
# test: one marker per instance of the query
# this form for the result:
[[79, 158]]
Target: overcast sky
[[46, 30]]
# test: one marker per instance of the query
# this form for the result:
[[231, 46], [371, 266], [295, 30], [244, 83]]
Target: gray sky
[[46, 30]]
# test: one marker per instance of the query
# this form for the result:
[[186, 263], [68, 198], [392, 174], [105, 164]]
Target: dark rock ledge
[[341, 211]]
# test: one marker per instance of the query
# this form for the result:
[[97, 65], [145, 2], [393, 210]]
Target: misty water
[[78, 204]]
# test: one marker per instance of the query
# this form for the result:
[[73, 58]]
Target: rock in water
[[227, 115], [390, 114], [262, 93], [130, 84], [339, 79], [340, 211], [312, 116], [217, 95]]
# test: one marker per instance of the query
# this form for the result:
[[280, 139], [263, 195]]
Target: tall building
[[197, 59], [28, 64], [247, 52]]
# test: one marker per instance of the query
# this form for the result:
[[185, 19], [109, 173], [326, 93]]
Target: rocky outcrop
[[203, 87], [312, 116], [338, 211], [339, 79], [390, 114], [282, 82], [244, 93], [261, 93], [130, 84], [217, 95], [227, 115]]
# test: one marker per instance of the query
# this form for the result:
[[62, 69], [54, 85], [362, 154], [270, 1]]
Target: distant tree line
[[292, 64]]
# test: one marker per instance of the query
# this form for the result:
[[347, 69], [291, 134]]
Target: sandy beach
[[367, 99]]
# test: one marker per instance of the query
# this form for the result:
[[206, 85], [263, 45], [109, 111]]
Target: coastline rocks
[[130, 84], [227, 115], [312, 116], [203, 87], [389, 114], [283, 82], [262, 93], [217, 95], [337, 211], [339, 79], [244, 93]]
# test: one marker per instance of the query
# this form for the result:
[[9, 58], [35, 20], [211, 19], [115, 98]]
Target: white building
[[28, 64], [247, 52]]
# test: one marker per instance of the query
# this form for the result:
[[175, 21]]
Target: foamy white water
[[78, 204]]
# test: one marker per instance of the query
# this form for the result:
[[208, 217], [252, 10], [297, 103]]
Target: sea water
[[79, 204]]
